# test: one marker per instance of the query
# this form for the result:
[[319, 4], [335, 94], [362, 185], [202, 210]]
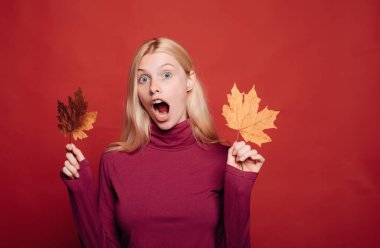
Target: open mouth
[[160, 107]]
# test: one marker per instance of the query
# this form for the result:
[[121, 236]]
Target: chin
[[166, 125]]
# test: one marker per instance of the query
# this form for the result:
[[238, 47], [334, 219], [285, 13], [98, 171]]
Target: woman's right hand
[[71, 165]]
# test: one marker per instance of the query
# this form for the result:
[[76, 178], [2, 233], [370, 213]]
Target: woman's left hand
[[241, 155]]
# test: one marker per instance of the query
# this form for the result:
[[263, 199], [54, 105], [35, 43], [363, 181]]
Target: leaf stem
[[237, 136], [239, 163]]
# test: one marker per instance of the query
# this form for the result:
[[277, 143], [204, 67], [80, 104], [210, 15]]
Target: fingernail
[[77, 175]]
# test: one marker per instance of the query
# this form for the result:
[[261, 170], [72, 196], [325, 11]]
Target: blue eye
[[143, 79], [167, 74]]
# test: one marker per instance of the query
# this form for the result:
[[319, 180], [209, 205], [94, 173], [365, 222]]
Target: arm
[[93, 210], [237, 192], [243, 166]]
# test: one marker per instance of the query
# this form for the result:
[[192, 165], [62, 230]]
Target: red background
[[315, 61]]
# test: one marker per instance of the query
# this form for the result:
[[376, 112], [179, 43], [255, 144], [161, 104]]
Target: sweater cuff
[[238, 172]]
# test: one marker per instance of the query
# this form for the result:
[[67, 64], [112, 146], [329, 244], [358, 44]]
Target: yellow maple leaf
[[74, 118], [242, 115]]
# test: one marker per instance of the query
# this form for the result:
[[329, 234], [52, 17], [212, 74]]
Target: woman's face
[[163, 87]]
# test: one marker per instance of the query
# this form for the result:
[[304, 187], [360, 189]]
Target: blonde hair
[[136, 123]]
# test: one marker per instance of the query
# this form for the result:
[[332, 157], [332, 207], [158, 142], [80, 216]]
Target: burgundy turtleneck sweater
[[171, 193]]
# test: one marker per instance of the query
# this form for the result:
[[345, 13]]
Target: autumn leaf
[[242, 115], [74, 118]]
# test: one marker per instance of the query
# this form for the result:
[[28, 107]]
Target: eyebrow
[[140, 69]]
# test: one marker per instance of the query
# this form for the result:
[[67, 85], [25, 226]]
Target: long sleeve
[[237, 191], [93, 210]]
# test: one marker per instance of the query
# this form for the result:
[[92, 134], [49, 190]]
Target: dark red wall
[[315, 61]]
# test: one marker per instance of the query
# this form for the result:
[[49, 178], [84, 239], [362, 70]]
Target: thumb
[[230, 157]]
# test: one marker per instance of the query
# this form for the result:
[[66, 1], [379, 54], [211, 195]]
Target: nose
[[154, 87]]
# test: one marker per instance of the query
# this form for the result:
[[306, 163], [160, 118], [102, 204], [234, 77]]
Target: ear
[[191, 81]]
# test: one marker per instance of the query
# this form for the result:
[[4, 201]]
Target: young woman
[[169, 182]]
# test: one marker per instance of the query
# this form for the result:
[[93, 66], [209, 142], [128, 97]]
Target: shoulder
[[107, 160], [215, 147], [216, 152], [113, 159], [213, 155], [110, 161], [115, 156], [107, 157]]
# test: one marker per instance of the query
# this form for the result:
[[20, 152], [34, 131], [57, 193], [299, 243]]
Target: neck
[[177, 138]]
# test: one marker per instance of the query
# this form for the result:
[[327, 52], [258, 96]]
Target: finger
[[72, 160], [258, 157], [72, 169], [248, 154], [69, 147], [67, 172], [230, 150], [242, 150], [77, 152], [230, 157], [237, 146]]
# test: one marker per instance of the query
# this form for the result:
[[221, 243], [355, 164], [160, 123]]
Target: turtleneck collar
[[179, 137]]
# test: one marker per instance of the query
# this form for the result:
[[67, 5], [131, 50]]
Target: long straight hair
[[136, 123]]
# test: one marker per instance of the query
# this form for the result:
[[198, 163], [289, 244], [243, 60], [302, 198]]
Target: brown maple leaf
[[242, 115], [74, 118]]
